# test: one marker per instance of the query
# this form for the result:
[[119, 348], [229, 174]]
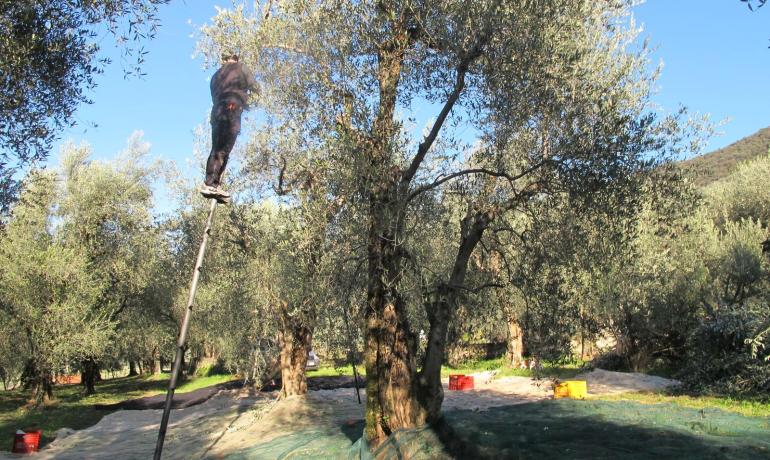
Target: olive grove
[[418, 176]]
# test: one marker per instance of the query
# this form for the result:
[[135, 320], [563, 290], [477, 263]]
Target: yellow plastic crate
[[575, 389]]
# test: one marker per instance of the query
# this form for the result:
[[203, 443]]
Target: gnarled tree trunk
[[396, 395], [440, 311], [295, 341], [390, 356], [514, 355], [132, 368], [42, 389], [391, 397], [39, 380], [88, 376]]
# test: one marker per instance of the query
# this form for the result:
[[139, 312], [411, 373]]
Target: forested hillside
[[719, 163]]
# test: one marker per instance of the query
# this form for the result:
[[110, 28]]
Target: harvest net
[[548, 429]]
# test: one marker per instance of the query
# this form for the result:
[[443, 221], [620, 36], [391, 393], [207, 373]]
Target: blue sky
[[715, 54]]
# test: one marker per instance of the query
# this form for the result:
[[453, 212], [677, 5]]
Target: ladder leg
[[180, 346]]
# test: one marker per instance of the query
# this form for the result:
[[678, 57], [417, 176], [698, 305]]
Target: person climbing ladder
[[230, 88]]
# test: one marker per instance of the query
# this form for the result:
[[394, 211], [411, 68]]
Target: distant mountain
[[713, 166]]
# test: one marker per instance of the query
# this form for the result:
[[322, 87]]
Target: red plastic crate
[[26, 443], [459, 382]]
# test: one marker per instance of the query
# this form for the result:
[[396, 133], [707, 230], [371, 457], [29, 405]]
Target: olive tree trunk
[[132, 368], [295, 342], [88, 376], [390, 352], [42, 389], [39, 381], [398, 396], [440, 312], [390, 356], [514, 355]]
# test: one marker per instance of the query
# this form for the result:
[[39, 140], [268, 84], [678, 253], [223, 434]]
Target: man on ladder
[[230, 88]]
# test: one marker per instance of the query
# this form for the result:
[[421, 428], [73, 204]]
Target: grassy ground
[[554, 370], [749, 406], [549, 370], [331, 371], [71, 409]]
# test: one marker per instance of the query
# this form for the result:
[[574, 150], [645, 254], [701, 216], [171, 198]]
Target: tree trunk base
[[295, 342], [88, 377]]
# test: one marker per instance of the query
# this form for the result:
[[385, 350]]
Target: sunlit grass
[[749, 406], [548, 370], [331, 371], [203, 382]]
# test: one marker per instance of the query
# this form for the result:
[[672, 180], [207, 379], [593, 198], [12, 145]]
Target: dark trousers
[[225, 127]]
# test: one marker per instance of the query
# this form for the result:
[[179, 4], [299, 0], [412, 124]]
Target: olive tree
[[741, 195], [554, 91], [49, 291], [105, 210]]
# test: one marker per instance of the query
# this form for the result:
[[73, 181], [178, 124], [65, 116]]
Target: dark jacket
[[232, 83]]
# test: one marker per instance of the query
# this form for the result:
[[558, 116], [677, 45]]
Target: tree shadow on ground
[[603, 430], [547, 429], [353, 430]]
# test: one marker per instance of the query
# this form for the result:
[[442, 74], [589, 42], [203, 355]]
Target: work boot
[[216, 193]]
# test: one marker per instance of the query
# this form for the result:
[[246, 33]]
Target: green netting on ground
[[548, 429], [419, 444], [618, 429], [303, 444]]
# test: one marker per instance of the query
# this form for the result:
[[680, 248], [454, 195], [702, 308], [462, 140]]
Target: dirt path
[[235, 419]]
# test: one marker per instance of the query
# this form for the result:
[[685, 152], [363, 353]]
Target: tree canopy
[[556, 94], [50, 55]]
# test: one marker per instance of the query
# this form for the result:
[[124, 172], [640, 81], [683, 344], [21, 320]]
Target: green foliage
[[82, 258], [579, 225], [720, 354], [105, 212], [692, 287], [744, 194], [12, 354], [210, 369], [232, 320], [49, 58], [48, 290], [728, 350], [741, 270]]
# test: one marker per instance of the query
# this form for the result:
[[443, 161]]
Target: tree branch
[[441, 179], [427, 143]]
